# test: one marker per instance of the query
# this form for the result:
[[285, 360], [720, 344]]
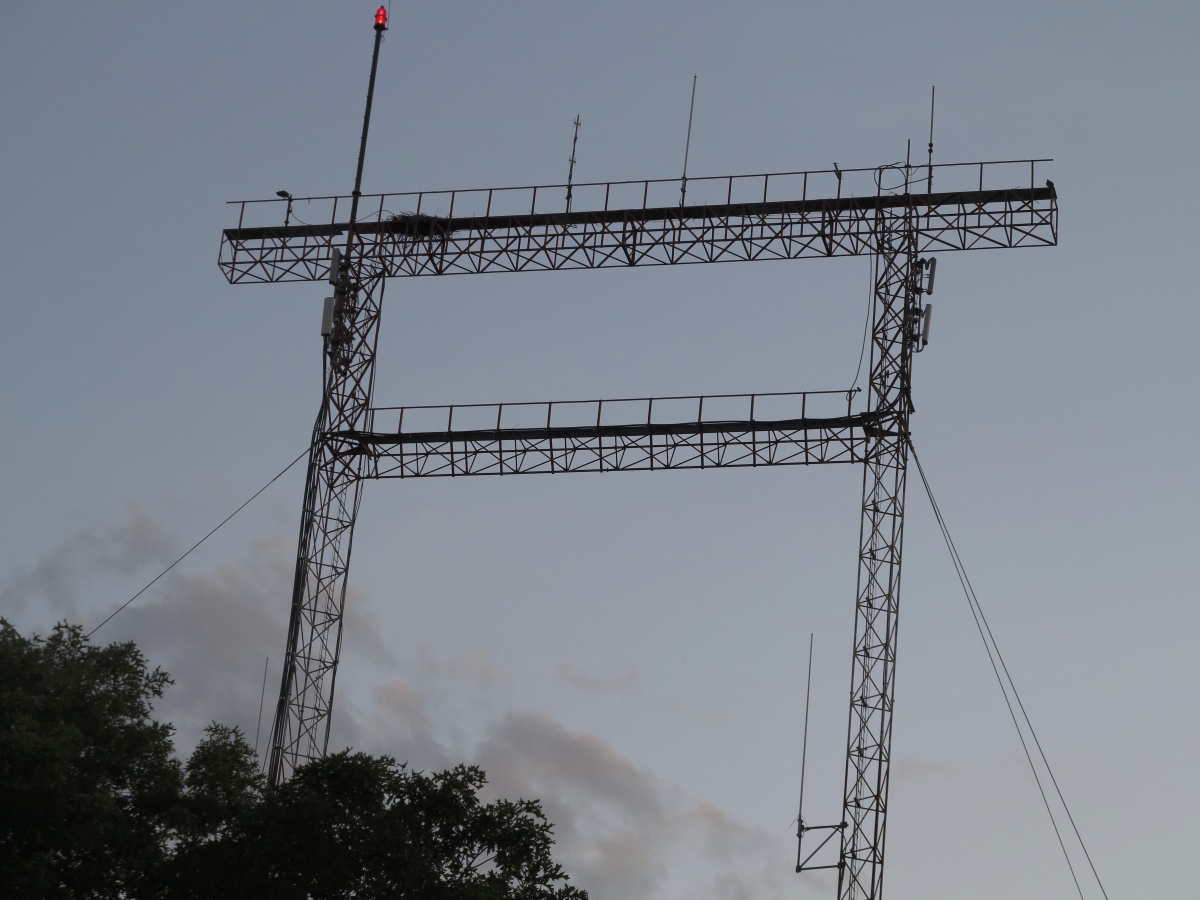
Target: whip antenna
[[571, 166], [932, 98], [687, 146]]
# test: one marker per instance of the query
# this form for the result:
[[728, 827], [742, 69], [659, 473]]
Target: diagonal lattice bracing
[[868, 759], [333, 488]]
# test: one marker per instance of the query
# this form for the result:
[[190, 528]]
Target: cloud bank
[[622, 830]]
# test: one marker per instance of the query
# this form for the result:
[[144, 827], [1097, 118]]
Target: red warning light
[[381, 18]]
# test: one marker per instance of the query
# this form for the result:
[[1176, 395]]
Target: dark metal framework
[[894, 337], [788, 215], [860, 212], [332, 491], [717, 431]]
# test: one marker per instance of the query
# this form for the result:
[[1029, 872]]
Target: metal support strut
[[332, 492], [873, 676]]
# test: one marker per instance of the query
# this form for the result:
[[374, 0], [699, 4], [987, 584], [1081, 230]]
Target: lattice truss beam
[[735, 218], [722, 431]]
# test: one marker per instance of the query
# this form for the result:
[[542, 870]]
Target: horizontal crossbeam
[[506, 230], [583, 436]]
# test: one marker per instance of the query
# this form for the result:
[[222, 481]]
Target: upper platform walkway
[[789, 215]]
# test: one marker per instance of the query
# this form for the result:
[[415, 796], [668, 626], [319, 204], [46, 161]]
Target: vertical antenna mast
[[804, 756], [932, 98], [381, 18], [571, 166], [262, 698], [687, 146]]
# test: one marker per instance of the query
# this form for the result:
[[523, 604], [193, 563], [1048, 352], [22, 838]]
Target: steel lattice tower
[[794, 215]]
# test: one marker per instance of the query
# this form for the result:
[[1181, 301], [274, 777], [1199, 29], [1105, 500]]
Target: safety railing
[[423, 423], [602, 197]]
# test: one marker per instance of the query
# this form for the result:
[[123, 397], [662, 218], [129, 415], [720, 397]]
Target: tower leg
[[873, 683], [337, 465]]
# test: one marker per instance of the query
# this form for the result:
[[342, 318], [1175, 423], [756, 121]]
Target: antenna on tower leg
[[932, 98], [571, 166], [381, 17], [262, 697], [804, 754], [687, 146]]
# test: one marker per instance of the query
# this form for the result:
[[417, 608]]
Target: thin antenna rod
[[932, 98], [804, 756], [380, 28], [262, 698], [688, 146], [571, 168]]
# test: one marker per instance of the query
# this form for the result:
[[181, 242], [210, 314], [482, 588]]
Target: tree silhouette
[[93, 803]]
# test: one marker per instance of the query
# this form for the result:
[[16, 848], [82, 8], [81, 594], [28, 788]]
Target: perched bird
[[1049, 184]]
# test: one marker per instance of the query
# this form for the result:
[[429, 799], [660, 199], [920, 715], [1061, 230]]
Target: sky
[[631, 648]]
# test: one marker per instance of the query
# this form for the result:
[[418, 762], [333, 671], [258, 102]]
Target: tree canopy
[[87, 777], [94, 803]]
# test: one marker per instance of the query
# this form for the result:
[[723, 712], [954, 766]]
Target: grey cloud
[[534, 750], [621, 830], [619, 864], [630, 681], [418, 715], [922, 771], [52, 583], [746, 862], [475, 668], [213, 633], [396, 721], [211, 630], [611, 817]]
